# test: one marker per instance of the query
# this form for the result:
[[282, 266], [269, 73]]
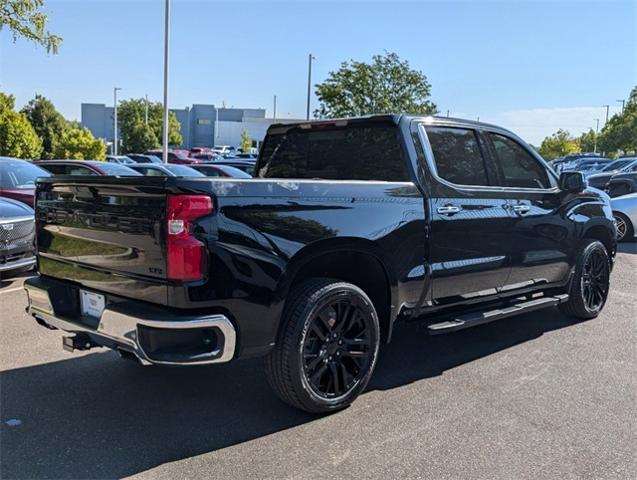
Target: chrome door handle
[[521, 208], [448, 210]]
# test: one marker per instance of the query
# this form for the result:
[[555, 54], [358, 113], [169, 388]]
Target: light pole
[[274, 114], [596, 131], [164, 146], [309, 84], [216, 125], [146, 111], [607, 107], [115, 119], [623, 102]]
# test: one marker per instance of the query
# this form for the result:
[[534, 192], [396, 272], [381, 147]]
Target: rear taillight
[[186, 256]]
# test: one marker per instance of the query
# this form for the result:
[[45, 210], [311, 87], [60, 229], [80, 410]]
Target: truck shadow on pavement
[[97, 416]]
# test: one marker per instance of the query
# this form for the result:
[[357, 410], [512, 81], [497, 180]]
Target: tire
[[327, 346], [625, 229], [589, 286]]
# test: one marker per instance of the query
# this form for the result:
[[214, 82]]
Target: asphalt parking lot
[[537, 396]]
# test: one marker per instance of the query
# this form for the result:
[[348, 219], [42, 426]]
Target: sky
[[531, 66]]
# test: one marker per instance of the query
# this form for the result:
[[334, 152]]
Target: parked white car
[[625, 216]]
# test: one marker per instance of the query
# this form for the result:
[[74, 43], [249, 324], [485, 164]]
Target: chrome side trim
[[122, 327], [429, 157]]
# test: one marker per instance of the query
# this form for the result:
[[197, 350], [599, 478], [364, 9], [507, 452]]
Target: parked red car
[[179, 157], [17, 179], [85, 167]]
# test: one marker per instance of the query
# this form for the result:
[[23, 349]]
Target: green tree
[[139, 138], [47, 122], [17, 136], [132, 124], [25, 19], [79, 144], [586, 141], [559, 144], [620, 133], [246, 141], [386, 85]]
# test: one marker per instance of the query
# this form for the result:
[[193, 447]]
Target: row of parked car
[[194, 156], [616, 177]]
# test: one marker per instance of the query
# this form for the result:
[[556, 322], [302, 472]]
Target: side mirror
[[572, 182]]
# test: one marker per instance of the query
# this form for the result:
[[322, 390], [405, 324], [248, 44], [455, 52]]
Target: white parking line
[[15, 289]]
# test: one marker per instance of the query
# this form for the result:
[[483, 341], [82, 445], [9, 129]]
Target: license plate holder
[[92, 304]]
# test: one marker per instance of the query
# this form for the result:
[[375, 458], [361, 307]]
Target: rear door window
[[457, 155]]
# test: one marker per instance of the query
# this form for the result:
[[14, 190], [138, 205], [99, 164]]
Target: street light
[[623, 102], [309, 83], [115, 119], [607, 107], [274, 111], [596, 131], [164, 146], [146, 111]]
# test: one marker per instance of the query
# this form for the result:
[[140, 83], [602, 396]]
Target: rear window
[[20, 174], [354, 152]]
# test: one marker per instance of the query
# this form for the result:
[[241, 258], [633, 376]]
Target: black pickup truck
[[350, 226]]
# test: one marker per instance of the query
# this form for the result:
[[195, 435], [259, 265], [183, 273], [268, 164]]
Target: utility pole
[[274, 114], [607, 108], [164, 143], [146, 112], [623, 102], [309, 84], [596, 131], [114, 150]]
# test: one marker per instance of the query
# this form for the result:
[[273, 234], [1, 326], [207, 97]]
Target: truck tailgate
[[104, 232]]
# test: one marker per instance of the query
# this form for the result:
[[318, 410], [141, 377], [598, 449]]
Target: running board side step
[[478, 318]]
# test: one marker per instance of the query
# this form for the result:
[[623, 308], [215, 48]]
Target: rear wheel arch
[[353, 260]]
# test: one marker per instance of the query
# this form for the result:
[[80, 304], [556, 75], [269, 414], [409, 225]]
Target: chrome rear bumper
[[120, 323]]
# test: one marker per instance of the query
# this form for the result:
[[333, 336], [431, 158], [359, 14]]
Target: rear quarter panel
[[265, 228]]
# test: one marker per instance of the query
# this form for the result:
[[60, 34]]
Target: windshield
[[616, 165], [20, 174], [632, 167], [184, 171], [117, 169]]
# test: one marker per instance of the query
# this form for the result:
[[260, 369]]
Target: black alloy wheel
[[595, 280], [337, 348], [327, 346], [589, 286]]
